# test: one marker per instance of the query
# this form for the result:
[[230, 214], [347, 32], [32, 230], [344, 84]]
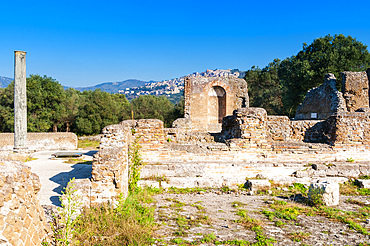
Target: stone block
[[256, 184], [363, 183], [328, 192]]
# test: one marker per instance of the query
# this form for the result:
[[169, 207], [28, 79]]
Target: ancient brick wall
[[22, 219], [350, 129], [209, 99], [355, 89], [42, 141], [149, 131]]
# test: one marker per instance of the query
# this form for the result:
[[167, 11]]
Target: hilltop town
[[174, 88]]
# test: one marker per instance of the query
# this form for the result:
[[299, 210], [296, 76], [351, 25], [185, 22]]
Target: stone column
[[20, 102]]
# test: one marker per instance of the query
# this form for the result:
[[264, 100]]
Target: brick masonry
[[209, 99]]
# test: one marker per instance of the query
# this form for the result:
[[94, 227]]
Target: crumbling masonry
[[250, 143]]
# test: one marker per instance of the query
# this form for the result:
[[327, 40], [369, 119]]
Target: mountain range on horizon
[[5, 81], [118, 87]]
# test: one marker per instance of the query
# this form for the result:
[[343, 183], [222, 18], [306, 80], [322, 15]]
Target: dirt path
[[214, 217]]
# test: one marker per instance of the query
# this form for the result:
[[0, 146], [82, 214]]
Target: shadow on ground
[[80, 171], [91, 152]]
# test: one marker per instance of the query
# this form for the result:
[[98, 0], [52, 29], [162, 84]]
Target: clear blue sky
[[81, 43]]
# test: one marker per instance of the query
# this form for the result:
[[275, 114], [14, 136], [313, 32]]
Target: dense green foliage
[[287, 82], [51, 108], [264, 88]]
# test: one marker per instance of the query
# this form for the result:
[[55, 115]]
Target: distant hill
[[4, 81], [114, 87]]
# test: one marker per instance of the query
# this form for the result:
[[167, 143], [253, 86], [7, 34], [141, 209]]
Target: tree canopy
[[299, 73], [51, 108]]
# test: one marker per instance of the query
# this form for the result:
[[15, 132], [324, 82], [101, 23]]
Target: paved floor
[[55, 174]]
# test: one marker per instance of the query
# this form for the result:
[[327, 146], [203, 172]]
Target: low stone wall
[[278, 128], [22, 219], [311, 131], [350, 129], [281, 128], [42, 141]]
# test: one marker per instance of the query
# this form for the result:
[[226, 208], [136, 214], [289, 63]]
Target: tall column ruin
[[20, 101]]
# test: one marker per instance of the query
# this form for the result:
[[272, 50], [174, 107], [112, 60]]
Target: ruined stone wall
[[281, 128], [209, 99], [42, 141], [311, 131], [22, 219], [246, 128], [111, 164], [350, 129], [355, 89], [322, 101], [109, 170]]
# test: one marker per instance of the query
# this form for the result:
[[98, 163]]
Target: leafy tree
[[176, 112], [306, 70], [7, 108], [46, 100], [99, 109], [264, 88], [152, 107]]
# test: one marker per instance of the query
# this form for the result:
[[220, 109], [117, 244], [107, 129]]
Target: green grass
[[131, 223], [184, 190], [88, 144]]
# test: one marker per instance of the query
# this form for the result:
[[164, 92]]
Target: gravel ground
[[194, 217]]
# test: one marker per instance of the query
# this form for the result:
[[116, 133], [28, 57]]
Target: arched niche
[[216, 104]]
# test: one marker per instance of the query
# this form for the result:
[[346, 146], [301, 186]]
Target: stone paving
[[54, 174]]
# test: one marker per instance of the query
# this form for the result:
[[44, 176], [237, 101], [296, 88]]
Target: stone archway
[[216, 104]]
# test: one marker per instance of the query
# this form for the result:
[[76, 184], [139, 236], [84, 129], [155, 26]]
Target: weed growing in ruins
[[176, 190], [254, 225], [349, 188], [298, 236], [135, 165], [290, 211], [68, 214], [130, 223], [283, 210], [298, 187], [207, 238], [198, 206], [315, 197], [350, 159]]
